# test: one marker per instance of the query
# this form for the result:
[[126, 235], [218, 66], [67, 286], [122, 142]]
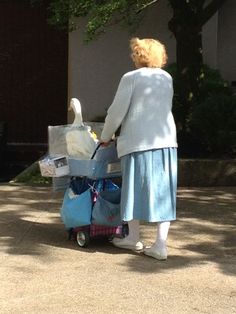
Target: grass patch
[[32, 176]]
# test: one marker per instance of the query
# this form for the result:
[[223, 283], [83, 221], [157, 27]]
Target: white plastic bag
[[80, 143], [76, 140], [72, 141]]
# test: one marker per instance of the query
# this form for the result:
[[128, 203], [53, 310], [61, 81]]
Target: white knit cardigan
[[142, 107]]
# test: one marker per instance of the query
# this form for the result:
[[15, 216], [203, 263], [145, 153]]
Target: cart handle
[[96, 149]]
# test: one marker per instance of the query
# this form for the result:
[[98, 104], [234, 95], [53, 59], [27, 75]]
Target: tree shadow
[[203, 233], [30, 221]]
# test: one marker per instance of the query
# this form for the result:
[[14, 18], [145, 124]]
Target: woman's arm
[[118, 108]]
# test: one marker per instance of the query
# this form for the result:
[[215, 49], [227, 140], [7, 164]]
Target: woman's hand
[[105, 144]]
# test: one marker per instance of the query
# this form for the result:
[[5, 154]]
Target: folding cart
[[104, 165]]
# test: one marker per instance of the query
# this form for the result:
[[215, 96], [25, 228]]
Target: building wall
[[95, 68], [227, 41]]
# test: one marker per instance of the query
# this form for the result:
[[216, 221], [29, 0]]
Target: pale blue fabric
[[149, 184]]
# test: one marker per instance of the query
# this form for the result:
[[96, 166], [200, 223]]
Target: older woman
[[146, 145]]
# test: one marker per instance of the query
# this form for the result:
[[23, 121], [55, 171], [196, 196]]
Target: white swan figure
[[80, 142]]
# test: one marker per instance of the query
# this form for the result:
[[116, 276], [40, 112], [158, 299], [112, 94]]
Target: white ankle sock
[[133, 235], [162, 234]]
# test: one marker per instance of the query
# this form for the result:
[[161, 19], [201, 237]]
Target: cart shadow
[[21, 235]]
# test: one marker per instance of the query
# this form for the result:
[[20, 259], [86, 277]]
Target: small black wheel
[[125, 230], [82, 238]]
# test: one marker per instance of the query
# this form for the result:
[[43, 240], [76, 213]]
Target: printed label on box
[[54, 167], [114, 167]]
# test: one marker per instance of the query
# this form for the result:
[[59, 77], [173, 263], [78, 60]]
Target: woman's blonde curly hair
[[148, 52]]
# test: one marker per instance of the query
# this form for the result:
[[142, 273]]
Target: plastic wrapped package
[[73, 140]]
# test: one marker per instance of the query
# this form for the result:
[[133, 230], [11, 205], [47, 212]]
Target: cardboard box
[[54, 166]]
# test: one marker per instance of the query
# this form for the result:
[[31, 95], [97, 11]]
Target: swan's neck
[[78, 120]]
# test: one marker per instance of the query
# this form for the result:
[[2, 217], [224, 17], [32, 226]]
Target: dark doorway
[[33, 78]]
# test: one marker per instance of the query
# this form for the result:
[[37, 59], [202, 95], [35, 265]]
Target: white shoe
[[156, 253], [124, 243]]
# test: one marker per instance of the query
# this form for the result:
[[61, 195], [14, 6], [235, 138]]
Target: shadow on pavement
[[203, 233]]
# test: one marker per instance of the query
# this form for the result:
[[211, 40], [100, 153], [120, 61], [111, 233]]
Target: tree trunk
[[189, 67], [186, 25], [189, 60]]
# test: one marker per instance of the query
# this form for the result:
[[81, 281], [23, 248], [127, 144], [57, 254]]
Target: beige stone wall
[[95, 68]]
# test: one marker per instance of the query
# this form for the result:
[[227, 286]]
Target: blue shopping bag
[[76, 209], [106, 210]]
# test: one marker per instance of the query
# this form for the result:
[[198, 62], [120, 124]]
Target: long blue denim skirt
[[149, 184]]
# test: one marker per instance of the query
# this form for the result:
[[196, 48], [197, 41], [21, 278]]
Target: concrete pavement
[[43, 272]]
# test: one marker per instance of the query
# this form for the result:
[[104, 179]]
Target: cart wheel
[[125, 230], [82, 238]]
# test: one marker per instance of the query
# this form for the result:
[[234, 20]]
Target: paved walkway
[[43, 272]]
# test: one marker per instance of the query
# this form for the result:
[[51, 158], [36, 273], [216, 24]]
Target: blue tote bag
[[106, 210], [76, 209]]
